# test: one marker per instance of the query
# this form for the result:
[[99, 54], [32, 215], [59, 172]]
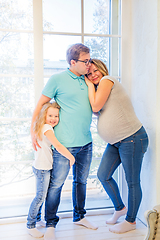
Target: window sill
[[22, 219]]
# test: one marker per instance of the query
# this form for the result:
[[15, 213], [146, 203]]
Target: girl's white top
[[43, 156], [117, 119]]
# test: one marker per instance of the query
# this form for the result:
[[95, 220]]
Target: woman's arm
[[59, 147], [43, 99], [98, 98]]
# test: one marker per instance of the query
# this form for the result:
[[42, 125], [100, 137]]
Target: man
[[73, 131]]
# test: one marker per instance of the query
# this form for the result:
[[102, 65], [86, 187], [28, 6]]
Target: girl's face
[[94, 75], [52, 116]]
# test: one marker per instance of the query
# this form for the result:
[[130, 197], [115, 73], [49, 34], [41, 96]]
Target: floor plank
[[67, 230]]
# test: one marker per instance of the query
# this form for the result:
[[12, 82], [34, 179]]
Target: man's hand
[[34, 141], [43, 99]]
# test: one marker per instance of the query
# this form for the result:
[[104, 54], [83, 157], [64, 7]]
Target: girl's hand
[[71, 162]]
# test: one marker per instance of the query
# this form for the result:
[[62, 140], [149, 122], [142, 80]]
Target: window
[[29, 56]]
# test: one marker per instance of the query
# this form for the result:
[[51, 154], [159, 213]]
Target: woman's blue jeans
[[83, 156], [129, 152], [42, 184]]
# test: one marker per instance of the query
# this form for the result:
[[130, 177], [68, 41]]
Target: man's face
[[81, 66]]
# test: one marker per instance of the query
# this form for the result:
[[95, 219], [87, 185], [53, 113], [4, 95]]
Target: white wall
[[141, 77]]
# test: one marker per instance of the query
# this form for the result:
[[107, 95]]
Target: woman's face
[[94, 75]]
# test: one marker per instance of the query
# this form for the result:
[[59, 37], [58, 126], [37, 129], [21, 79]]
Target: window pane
[[16, 101], [96, 16], [99, 48], [16, 153], [15, 141], [17, 185], [16, 14], [107, 50], [96, 196], [102, 16], [62, 15], [16, 53], [55, 47]]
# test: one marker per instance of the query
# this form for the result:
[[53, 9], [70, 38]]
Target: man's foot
[[50, 234], [34, 232], [41, 223], [116, 216], [123, 227], [84, 222]]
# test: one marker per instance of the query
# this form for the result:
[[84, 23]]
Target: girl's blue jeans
[[129, 152], [42, 183], [83, 156]]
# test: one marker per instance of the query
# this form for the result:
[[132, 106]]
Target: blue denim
[[129, 152], [42, 184], [83, 156]]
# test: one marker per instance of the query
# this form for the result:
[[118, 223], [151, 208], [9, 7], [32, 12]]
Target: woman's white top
[[117, 119], [43, 156]]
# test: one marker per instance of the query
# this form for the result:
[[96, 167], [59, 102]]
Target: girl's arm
[[98, 98], [59, 147]]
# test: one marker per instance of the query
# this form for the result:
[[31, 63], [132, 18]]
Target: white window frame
[[38, 34]]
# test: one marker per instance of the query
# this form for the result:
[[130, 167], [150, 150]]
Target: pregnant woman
[[127, 141]]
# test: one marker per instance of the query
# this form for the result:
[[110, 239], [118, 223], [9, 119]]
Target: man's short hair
[[74, 51]]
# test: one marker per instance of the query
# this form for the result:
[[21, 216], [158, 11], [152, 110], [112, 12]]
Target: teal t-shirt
[[71, 93]]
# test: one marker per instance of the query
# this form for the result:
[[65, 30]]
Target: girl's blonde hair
[[101, 66], [41, 118]]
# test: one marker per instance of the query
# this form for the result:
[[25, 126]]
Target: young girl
[[47, 119]]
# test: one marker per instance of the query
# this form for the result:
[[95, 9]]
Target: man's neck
[[74, 72]]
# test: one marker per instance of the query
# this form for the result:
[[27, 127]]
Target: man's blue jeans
[[83, 156], [129, 152], [42, 183]]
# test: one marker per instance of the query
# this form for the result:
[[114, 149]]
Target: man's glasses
[[86, 62]]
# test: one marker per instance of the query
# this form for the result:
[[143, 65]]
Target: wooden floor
[[66, 230]]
